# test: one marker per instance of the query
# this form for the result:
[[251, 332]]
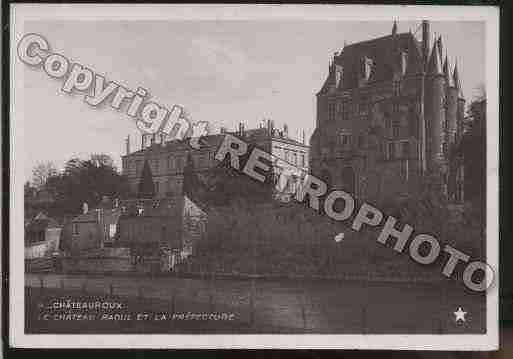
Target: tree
[[42, 172], [85, 181], [225, 185], [146, 187], [28, 190], [191, 182]]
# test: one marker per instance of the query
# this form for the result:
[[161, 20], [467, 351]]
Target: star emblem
[[460, 315]]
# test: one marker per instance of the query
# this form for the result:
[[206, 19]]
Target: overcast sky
[[224, 72]]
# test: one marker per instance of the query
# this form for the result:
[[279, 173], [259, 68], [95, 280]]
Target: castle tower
[[451, 107], [414, 77], [460, 113], [434, 110]]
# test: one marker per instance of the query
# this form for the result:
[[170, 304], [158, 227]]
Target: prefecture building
[[388, 117], [167, 160]]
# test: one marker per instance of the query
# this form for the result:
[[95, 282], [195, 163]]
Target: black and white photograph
[[254, 176]]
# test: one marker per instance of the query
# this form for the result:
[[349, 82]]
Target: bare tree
[[42, 172]]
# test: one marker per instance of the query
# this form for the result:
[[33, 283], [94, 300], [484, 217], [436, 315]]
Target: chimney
[[85, 208], [286, 130], [425, 40], [128, 145]]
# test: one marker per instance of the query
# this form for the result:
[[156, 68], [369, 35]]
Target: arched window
[[348, 180]]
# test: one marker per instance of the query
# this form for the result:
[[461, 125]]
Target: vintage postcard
[[254, 176]]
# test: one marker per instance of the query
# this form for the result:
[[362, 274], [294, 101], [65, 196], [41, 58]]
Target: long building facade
[[168, 160], [388, 117]]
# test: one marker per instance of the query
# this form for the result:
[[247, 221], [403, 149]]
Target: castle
[[389, 115]]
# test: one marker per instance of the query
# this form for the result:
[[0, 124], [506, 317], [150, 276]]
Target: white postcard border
[[92, 12]]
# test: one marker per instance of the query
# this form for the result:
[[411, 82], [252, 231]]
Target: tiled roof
[[106, 215], [152, 207]]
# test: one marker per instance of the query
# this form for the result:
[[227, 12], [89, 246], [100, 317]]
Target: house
[[150, 227], [92, 229], [42, 236]]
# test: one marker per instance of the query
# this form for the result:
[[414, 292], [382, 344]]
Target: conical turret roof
[[457, 82], [434, 65]]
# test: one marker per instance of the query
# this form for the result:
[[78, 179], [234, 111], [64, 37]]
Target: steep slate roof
[[383, 51]]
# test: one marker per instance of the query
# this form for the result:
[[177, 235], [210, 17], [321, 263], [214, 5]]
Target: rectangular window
[[345, 139], [156, 187], [331, 111], [156, 166], [303, 160], [75, 229], [170, 162], [294, 156]]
